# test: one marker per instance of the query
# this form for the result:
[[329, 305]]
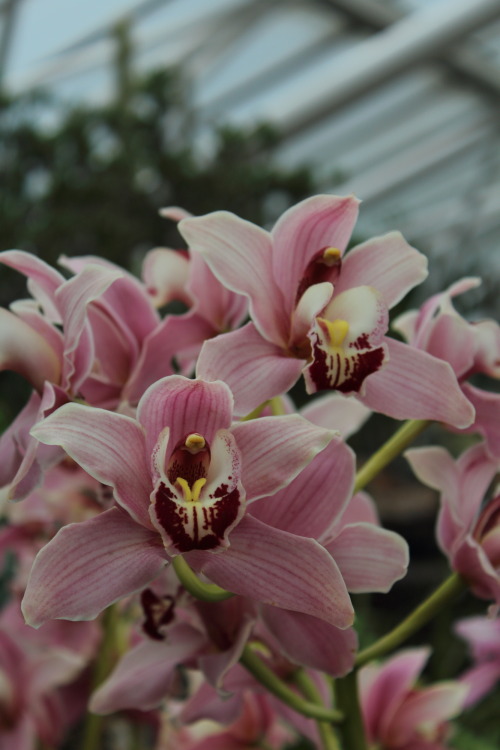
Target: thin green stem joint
[[326, 732], [207, 592], [420, 616], [352, 730], [280, 689], [401, 439]]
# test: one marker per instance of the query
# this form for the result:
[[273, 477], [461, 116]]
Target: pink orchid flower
[[400, 716], [467, 533], [34, 667], [55, 363], [483, 636], [470, 348], [316, 312], [182, 476]]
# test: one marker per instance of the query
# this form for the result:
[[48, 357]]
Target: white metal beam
[[370, 63]]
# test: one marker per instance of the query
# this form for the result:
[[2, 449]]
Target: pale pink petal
[[311, 304], [221, 307], [165, 273], [487, 421], [369, 558], [452, 338], [304, 231], [184, 406], [436, 468], [109, 446], [175, 213], [30, 312], [312, 642], [215, 665], [281, 569], [337, 412], [480, 680], [240, 255], [388, 686], [171, 337], [425, 709], [72, 298], [35, 457], [143, 677], [254, 368], [275, 450], [13, 441], [482, 635], [43, 280], [25, 351], [415, 385], [88, 566], [361, 509], [347, 341], [476, 471], [387, 263], [471, 561], [312, 503]]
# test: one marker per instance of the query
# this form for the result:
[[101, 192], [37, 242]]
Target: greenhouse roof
[[394, 100]]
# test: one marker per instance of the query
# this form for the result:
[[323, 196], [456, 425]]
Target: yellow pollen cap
[[337, 330], [195, 442], [331, 256]]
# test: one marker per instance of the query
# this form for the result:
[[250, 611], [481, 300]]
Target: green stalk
[[401, 439], [107, 654], [307, 687], [443, 595], [280, 689], [352, 730], [207, 592]]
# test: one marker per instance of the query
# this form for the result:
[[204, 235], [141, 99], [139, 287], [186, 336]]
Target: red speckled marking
[[158, 612], [316, 272], [209, 523], [326, 369]]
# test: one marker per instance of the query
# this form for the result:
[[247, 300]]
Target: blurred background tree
[[93, 181]]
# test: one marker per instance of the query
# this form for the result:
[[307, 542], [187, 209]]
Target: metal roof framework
[[394, 100]]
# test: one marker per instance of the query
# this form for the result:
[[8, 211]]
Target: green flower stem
[[280, 689], [207, 592], [443, 595], [388, 452], [307, 687], [352, 730], [105, 660]]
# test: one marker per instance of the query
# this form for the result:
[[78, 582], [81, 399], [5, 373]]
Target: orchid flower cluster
[[186, 540]]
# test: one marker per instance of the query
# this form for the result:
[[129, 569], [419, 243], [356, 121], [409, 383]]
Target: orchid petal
[[89, 565], [346, 341], [281, 569], [25, 351], [109, 446], [487, 421], [425, 709], [144, 676], [389, 686], [360, 509], [369, 558], [312, 503], [201, 520], [310, 305], [303, 231], [43, 280], [480, 681], [312, 642], [415, 385], [165, 273], [337, 412], [217, 304], [185, 406], [387, 263], [275, 450], [240, 255], [254, 368]]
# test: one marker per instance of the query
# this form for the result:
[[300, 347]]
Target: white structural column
[[370, 63]]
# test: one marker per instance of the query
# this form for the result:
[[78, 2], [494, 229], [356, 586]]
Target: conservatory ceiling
[[395, 100]]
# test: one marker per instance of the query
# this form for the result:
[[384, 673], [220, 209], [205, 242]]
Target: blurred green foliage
[[90, 179]]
